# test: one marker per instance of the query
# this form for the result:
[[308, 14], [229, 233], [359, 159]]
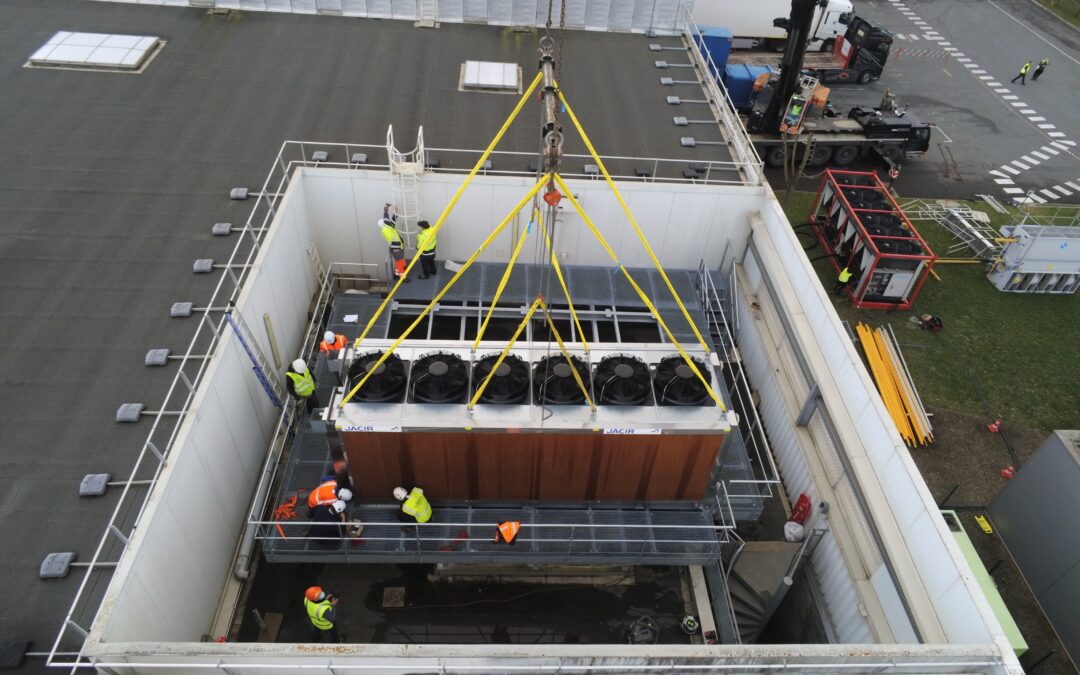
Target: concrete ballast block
[[129, 412], [56, 565], [203, 266], [238, 193], [94, 484], [157, 357], [221, 229], [180, 310]]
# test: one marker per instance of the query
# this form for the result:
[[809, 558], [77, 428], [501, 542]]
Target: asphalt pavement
[[952, 61]]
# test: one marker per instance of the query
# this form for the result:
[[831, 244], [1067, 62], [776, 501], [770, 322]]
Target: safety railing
[[169, 419], [742, 148], [740, 392], [461, 160]]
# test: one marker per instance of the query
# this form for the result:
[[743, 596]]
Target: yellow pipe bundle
[[895, 385]]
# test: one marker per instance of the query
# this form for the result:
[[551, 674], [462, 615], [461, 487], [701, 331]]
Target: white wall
[[683, 223], [170, 579]]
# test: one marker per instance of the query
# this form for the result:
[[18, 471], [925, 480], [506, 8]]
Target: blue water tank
[[739, 79], [718, 42]]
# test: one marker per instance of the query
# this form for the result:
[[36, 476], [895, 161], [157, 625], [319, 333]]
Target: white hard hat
[[382, 222], [329, 336], [400, 493], [344, 494], [299, 365], [338, 506]]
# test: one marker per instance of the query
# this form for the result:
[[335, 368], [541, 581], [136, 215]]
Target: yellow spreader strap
[[562, 283], [633, 221], [566, 355], [452, 203], [641, 294], [505, 351], [476, 254], [502, 285]]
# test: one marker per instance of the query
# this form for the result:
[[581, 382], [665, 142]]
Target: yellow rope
[[562, 283], [566, 355], [476, 254], [641, 294], [521, 326], [452, 203], [633, 221], [502, 286]]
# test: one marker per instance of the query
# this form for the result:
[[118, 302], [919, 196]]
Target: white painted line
[[1027, 111], [1047, 148], [1020, 165], [900, 36], [985, 77], [1028, 29], [957, 55], [1047, 126], [1010, 97], [1073, 185], [1063, 191], [1029, 160], [944, 43], [1049, 194], [1040, 155], [951, 49], [1059, 144], [1011, 170], [1055, 134], [969, 65], [914, 37], [998, 173], [1014, 190], [1001, 90], [963, 59], [1038, 119], [1003, 181], [977, 72], [1069, 142], [1017, 104], [993, 84], [1037, 198]]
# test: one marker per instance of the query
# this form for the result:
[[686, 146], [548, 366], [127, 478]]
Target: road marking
[[1027, 111], [1030, 30], [914, 37], [1017, 104], [1014, 190], [962, 59], [998, 173], [1047, 148], [1001, 90], [951, 49], [947, 72], [1040, 155], [1003, 181], [1055, 134], [993, 84], [1063, 191], [985, 77], [1059, 144], [1048, 193], [1038, 119], [977, 72], [969, 65], [1069, 142], [1046, 126], [1020, 165], [1032, 162], [1037, 198], [1073, 185], [1011, 170], [1010, 97]]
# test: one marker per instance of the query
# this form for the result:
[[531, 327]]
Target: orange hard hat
[[314, 593]]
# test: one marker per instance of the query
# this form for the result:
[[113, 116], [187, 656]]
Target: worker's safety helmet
[[299, 365], [400, 493], [338, 506], [344, 494], [314, 593], [329, 336]]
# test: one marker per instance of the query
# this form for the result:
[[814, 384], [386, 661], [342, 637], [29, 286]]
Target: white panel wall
[[683, 224], [169, 581]]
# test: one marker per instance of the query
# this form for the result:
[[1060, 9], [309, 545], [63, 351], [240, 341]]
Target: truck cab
[[859, 56]]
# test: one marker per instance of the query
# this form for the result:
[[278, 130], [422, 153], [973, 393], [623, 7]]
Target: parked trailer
[[752, 22]]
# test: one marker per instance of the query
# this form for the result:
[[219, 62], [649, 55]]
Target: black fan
[[623, 380], [509, 386], [676, 383], [554, 380], [386, 384], [439, 378]]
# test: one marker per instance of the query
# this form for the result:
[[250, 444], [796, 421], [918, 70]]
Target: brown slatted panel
[[506, 465], [565, 465], [622, 463], [698, 470], [375, 462], [440, 463]]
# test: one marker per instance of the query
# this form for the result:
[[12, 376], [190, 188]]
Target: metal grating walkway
[[550, 534]]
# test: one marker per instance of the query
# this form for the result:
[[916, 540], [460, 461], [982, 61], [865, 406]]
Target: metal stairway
[[678, 534], [761, 578], [406, 170]]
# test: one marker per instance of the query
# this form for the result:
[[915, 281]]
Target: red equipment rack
[[862, 228]]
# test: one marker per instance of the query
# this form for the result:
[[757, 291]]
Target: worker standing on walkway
[[1022, 76], [322, 610], [414, 504], [301, 384], [388, 229], [332, 342], [425, 247], [1039, 69], [842, 281]]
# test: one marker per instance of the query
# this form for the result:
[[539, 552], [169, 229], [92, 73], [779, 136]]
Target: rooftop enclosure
[[887, 568]]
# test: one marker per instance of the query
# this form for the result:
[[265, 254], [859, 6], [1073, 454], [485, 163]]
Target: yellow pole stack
[[896, 389]]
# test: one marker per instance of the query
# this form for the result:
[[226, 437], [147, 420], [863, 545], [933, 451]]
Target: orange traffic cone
[[995, 427], [1008, 472]]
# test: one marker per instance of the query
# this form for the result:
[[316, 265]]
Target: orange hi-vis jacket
[[337, 345], [508, 531], [326, 493]]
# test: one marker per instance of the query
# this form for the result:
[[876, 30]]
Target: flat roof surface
[[112, 183]]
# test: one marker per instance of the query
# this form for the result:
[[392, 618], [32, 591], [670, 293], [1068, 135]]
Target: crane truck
[[751, 23]]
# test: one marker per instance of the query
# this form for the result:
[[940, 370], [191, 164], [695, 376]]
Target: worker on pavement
[[1022, 76], [332, 342], [842, 281], [328, 492], [388, 229], [301, 384], [321, 609], [328, 525], [425, 246], [1039, 69], [414, 505]]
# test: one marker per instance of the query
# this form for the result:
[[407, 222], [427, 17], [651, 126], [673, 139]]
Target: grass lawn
[[1005, 355], [1068, 10]]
